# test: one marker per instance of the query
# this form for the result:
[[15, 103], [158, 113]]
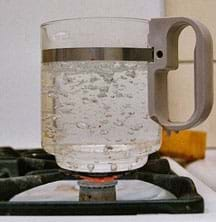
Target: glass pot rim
[[115, 19]]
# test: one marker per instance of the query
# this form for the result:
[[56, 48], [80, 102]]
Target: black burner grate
[[25, 169]]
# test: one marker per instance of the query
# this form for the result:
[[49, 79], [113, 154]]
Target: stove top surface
[[68, 190], [35, 170]]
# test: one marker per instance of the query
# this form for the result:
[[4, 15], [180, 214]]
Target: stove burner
[[93, 191], [25, 169]]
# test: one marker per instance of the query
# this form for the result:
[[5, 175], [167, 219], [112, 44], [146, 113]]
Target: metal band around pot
[[82, 54]]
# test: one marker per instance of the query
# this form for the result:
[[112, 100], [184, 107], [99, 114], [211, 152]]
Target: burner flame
[[99, 179]]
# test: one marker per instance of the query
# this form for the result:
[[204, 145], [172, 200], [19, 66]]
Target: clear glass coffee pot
[[104, 89]]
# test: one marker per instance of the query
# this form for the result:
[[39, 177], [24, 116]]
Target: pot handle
[[163, 37]]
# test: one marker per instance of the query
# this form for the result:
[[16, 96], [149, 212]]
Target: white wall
[[20, 55]]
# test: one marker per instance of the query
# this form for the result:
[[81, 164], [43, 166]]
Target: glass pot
[[104, 89]]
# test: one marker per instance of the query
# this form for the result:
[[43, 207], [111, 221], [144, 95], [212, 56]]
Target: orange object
[[99, 179], [188, 145]]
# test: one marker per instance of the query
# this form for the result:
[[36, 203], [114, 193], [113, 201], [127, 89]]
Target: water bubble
[[109, 148], [106, 107], [75, 165], [133, 165], [121, 89], [108, 79], [114, 167], [50, 133], [123, 77], [126, 105], [101, 95], [131, 113], [105, 150], [85, 100], [50, 94], [92, 87], [131, 64], [94, 100], [82, 125], [104, 89], [131, 74], [117, 65], [68, 162], [69, 103], [146, 116], [90, 167], [115, 85], [67, 79], [80, 82], [46, 117], [130, 132], [138, 159], [104, 132], [136, 127], [118, 123], [63, 93], [93, 79], [130, 96], [118, 94], [105, 121]]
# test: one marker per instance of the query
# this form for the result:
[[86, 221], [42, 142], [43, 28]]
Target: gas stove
[[31, 183]]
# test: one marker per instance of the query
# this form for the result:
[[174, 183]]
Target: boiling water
[[95, 115]]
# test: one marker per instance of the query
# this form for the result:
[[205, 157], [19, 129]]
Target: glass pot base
[[103, 158]]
